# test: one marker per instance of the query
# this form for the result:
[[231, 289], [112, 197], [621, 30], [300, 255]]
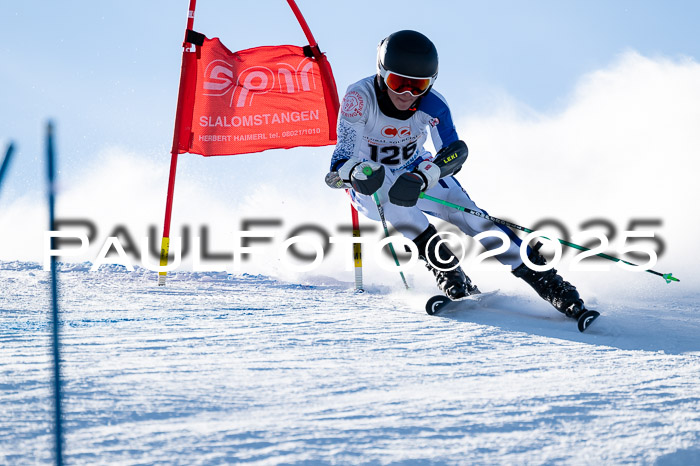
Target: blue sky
[[108, 71]]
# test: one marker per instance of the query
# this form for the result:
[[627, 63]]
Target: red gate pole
[[356, 249], [183, 127], [329, 84], [331, 92]]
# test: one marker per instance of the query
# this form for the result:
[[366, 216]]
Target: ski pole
[[6, 161], [666, 276], [368, 171]]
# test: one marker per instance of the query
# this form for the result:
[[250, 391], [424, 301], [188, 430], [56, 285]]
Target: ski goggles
[[402, 84]]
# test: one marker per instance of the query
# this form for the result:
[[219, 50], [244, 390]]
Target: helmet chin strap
[[380, 82]]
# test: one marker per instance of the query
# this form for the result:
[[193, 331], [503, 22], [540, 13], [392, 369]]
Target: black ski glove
[[364, 177], [406, 190], [451, 158], [365, 183]]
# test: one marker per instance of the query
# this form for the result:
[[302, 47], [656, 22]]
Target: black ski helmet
[[408, 53]]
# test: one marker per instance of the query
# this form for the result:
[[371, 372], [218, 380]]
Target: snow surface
[[217, 368]]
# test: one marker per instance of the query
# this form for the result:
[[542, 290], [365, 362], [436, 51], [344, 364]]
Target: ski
[[586, 319], [438, 303]]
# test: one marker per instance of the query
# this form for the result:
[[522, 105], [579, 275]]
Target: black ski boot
[[551, 287], [454, 283]]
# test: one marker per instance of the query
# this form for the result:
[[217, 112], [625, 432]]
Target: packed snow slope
[[217, 368]]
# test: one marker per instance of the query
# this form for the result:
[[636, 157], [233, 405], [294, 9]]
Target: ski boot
[[551, 287], [454, 283]]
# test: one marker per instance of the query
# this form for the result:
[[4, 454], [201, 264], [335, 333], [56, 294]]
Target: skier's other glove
[[451, 158], [407, 187], [406, 190], [353, 172]]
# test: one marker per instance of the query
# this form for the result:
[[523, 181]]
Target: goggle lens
[[401, 84]]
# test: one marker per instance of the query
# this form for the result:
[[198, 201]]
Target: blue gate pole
[[6, 161], [58, 416]]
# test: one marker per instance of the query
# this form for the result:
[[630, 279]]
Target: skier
[[383, 124]]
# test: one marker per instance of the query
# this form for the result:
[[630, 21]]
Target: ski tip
[[436, 303], [586, 319]]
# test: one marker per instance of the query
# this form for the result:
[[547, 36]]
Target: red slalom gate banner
[[262, 98], [273, 97]]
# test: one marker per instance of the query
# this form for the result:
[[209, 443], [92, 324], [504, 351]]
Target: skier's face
[[402, 101]]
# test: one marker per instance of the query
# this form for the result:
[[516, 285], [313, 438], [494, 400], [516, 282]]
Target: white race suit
[[371, 128]]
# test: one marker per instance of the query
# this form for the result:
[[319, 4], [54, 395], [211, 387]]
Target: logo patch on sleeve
[[353, 104]]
